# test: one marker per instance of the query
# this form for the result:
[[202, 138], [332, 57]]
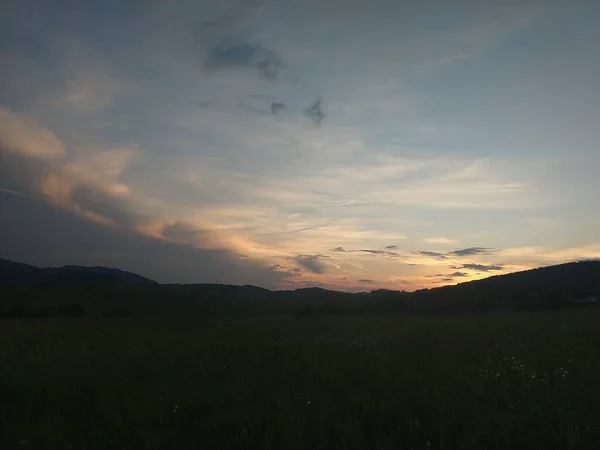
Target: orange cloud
[[23, 134]]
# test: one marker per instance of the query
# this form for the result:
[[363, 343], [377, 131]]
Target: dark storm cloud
[[314, 112], [39, 233], [392, 247], [479, 267], [367, 281], [472, 251]]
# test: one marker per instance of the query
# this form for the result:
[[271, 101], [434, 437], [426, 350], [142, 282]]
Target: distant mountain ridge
[[28, 291], [14, 273]]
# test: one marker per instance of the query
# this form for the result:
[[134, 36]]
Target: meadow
[[515, 381]]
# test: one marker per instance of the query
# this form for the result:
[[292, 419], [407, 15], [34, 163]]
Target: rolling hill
[[26, 290], [14, 273]]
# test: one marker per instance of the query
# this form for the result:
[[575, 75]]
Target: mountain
[[13, 273], [28, 291], [550, 287]]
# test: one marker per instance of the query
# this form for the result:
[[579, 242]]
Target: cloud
[[367, 281], [64, 185], [23, 134], [90, 198], [180, 232], [90, 183], [459, 274], [338, 250], [294, 271], [314, 112], [439, 240], [530, 257], [472, 251], [277, 107], [240, 55], [433, 254], [449, 275], [479, 267], [378, 252], [36, 232], [311, 263], [391, 247], [232, 16], [88, 87]]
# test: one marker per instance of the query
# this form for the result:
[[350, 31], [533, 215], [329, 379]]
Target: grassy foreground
[[477, 382]]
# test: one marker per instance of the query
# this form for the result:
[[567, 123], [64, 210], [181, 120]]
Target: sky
[[351, 145]]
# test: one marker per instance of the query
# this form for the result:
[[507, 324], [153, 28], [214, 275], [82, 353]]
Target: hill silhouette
[[14, 273], [29, 291], [563, 285]]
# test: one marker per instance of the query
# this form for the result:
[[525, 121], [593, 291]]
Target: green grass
[[477, 382]]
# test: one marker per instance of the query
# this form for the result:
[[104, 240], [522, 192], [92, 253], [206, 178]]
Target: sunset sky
[[351, 145]]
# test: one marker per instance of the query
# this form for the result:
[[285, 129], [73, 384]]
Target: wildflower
[[175, 408], [308, 402]]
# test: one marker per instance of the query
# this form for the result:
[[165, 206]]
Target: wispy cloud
[[23, 134], [439, 240], [378, 253], [472, 251], [311, 263], [480, 267], [225, 161], [231, 55], [459, 274]]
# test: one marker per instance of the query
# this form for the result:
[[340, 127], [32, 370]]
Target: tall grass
[[478, 382]]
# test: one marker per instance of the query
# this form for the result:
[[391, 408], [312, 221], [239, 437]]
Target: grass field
[[478, 382]]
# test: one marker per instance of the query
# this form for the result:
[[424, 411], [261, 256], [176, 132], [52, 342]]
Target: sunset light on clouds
[[349, 145]]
